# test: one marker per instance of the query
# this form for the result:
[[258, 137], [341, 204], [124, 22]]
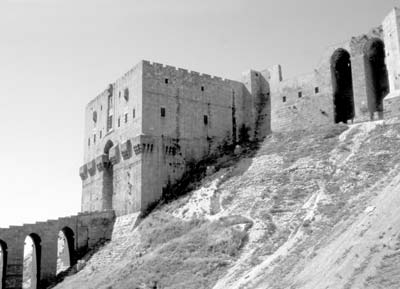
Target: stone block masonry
[[84, 232], [144, 129]]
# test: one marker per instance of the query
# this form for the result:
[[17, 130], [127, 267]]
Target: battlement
[[183, 72]]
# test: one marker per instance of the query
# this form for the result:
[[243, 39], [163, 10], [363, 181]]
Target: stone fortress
[[143, 131]]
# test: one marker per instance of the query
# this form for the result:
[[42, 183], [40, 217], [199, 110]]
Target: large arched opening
[[65, 250], [342, 82], [108, 185], [31, 265], [377, 81], [3, 264]]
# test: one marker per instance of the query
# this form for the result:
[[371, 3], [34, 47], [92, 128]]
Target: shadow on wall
[[3, 263], [342, 82], [227, 155], [377, 81]]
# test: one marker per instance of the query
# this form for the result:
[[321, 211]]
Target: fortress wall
[[312, 109], [315, 109], [259, 103], [88, 228], [186, 103], [183, 135]]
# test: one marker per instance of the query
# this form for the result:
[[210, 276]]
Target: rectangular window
[[119, 122], [300, 94], [163, 112], [284, 99], [88, 142], [109, 122], [94, 139], [316, 90], [126, 117], [205, 119], [202, 88], [166, 81], [101, 134], [109, 113], [133, 113]]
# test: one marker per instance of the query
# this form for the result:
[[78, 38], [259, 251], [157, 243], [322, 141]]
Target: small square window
[[166, 81], [163, 112], [256, 74], [119, 122], [284, 99], [126, 94], [300, 94], [205, 119], [133, 113], [316, 90], [202, 88], [126, 117]]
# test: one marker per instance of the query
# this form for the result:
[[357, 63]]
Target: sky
[[56, 55]]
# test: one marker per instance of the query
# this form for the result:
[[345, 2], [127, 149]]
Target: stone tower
[[144, 129]]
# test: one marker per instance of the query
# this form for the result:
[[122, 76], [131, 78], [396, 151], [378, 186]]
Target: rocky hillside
[[306, 210]]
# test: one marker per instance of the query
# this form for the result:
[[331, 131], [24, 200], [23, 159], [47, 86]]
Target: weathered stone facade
[[146, 127], [160, 118], [143, 131]]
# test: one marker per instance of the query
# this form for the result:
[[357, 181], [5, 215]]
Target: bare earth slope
[[309, 210]]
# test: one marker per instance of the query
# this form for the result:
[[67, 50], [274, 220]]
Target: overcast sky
[[56, 55]]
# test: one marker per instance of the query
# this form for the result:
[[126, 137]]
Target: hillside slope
[[308, 210]]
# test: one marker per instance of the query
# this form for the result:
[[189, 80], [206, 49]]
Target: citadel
[[144, 129]]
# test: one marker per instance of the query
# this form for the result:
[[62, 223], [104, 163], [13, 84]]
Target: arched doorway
[[108, 174], [3, 264], [377, 81], [31, 265], [65, 250], [342, 82]]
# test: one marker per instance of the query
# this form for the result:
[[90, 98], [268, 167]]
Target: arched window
[[31, 265], [65, 250], [342, 82], [376, 75], [108, 184]]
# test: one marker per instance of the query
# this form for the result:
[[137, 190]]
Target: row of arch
[[376, 75], [32, 258]]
